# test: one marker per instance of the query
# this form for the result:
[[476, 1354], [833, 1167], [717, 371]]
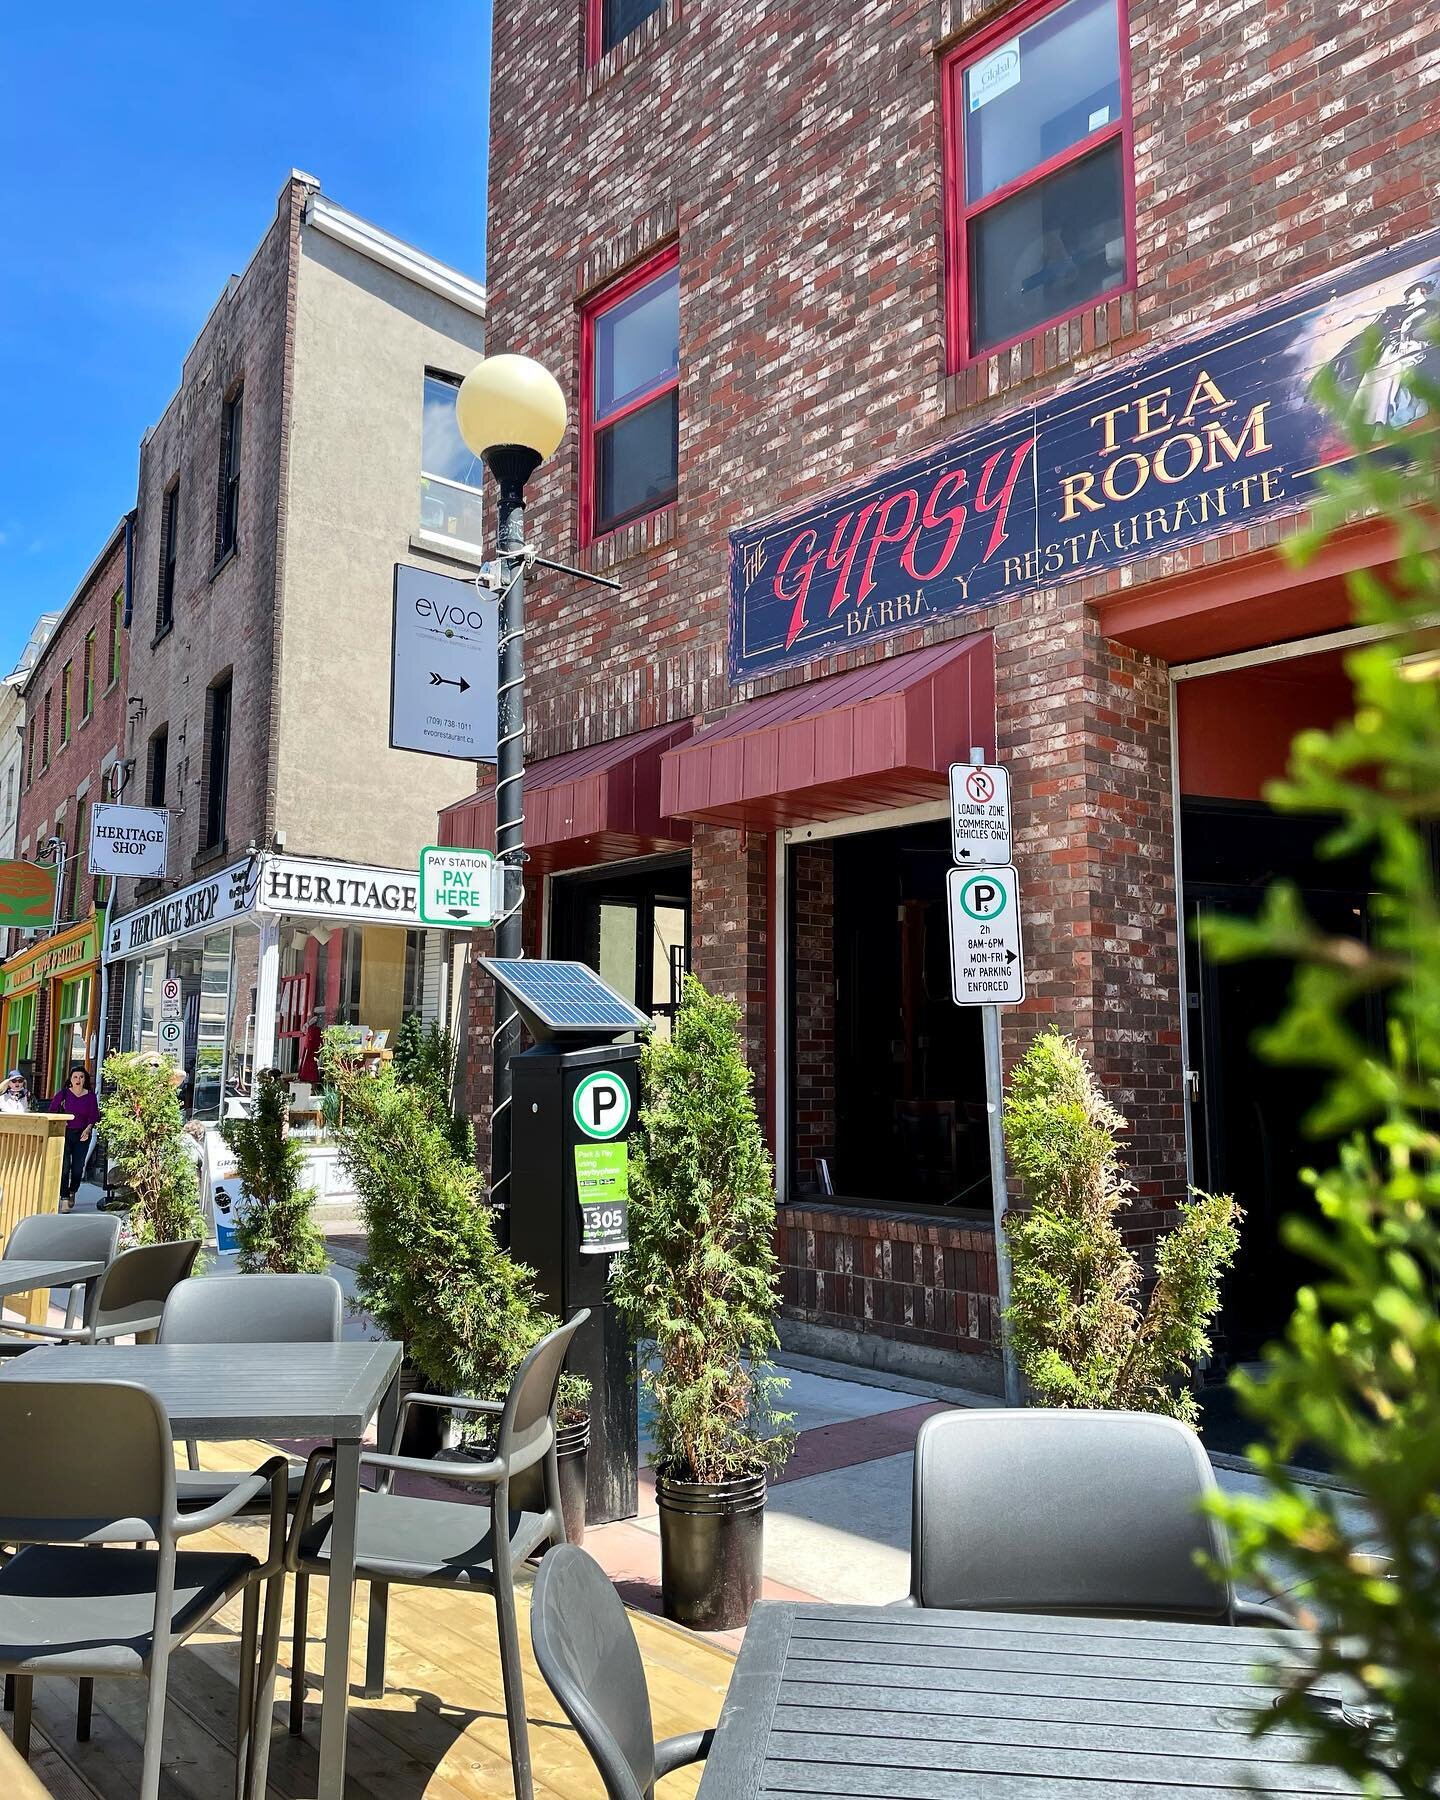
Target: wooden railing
[[32, 1151]]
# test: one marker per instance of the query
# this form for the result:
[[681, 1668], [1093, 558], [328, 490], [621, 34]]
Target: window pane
[[636, 462], [443, 451], [1029, 99], [456, 511], [637, 343], [1047, 249], [620, 17]]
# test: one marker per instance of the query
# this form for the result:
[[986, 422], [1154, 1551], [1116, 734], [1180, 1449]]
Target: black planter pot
[[712, 1543], [572, 1444], [424, 1433]]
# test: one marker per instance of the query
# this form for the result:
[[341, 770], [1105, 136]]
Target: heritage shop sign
[[203, 904], [1210, 435]]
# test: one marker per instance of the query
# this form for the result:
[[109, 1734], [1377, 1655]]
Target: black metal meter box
[[576, 1097]]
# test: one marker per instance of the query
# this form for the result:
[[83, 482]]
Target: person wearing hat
[[14, 1093]]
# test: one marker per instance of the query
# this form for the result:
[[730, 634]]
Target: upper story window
[[227, 517], [157, 763], [117, 621], [217, 764], [612, 20], [65, 675], [1039, 176], [45, 730], [630, 382], [451, 475], [87, 676], [169, 538]]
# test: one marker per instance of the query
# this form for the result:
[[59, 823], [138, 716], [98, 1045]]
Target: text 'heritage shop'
[[1217, 433]]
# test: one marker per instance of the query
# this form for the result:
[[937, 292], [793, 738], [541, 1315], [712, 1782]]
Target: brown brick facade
[[795, 154]]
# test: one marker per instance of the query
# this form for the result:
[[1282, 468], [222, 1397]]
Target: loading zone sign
[[979, 813], [986, 967]]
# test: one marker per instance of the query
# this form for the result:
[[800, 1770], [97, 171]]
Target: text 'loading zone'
[[986, 964]]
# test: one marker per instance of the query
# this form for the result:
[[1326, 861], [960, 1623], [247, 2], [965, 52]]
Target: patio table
[[18, 1276], [927, 1704], [230, 1391]]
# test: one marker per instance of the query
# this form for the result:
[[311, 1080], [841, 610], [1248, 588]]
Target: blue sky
[[142, 148]]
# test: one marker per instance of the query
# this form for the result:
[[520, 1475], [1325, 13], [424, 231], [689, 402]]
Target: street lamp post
[[511, 413]]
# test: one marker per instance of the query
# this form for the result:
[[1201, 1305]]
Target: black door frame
[[576, 895]]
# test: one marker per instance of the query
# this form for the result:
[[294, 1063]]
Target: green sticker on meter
[[602, 1181]]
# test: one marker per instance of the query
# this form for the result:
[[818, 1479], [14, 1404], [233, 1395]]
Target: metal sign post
[[987, 969]]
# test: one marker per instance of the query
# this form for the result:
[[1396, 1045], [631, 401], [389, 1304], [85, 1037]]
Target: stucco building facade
[[873, 327]]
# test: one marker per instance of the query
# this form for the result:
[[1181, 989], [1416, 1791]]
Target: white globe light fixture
[[511, 413]]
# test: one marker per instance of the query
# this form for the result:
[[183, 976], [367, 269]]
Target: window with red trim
[[1039, 171], [612, 20], [630, 384]]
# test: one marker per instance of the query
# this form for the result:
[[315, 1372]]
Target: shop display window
[[630, 383], [1038, 172], [19, 1031], [72, 1030]]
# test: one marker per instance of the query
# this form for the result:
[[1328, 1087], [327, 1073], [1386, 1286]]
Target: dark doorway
[[631, 924], [887, 1074], [1248, 1118]]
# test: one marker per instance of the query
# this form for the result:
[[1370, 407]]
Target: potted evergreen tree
[[275, 1229], [143, 1128], [701, 1280], [434, 1276]]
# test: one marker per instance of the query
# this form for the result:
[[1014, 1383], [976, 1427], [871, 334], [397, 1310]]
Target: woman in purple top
[[77, 1098]]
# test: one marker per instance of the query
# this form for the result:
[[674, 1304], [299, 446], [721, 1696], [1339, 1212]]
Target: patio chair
[[586, 1649], [127, 1301], [1054, 1511], [90, 1466], [61, 1237], [446, 1543]]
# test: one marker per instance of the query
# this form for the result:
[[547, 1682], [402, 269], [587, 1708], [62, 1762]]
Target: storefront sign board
[[1202, 438], [459, 887], [129, 840], [602, 1180], [199, 907], [27, 894], [336, 890], [979, 813], [987, 966], [64, 954], [444, 662]]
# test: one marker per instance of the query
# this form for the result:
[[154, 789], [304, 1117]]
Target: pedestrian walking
[[14, 1093], [77, 1098]]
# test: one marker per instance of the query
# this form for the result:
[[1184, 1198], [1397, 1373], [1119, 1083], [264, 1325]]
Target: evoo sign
[[129, 840]]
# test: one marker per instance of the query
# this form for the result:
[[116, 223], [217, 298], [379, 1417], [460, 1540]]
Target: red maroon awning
[[876, 737], [599, 804]]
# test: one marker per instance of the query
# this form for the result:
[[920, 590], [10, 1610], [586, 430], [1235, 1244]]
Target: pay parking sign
[[602, 1104], [986, 968]]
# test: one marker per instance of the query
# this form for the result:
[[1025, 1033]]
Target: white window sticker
[[1100, 116], [993, 74]]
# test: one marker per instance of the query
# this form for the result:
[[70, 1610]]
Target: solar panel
[[564, 997]]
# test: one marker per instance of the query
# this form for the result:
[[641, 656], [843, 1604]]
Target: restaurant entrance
[[631, 923]]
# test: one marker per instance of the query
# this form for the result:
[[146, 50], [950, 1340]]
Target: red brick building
[[873, 327], [74, 735]]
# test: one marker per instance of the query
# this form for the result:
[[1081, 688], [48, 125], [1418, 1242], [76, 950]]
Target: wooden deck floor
[[439, 1731]]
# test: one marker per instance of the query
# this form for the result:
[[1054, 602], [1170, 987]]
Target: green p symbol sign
[[602, 1104]]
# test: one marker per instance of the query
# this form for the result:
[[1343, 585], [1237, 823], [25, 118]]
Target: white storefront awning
[[271, 887]]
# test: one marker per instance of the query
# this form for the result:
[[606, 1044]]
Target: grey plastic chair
[[60, 1237], [247, 1309], [1090, 1513], [445, 1543], [127, 1301], [586, 1649], [91, 1464]]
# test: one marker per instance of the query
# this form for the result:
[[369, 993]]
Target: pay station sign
[[457, 887], [986, 966], [979, 813], [443, 668]]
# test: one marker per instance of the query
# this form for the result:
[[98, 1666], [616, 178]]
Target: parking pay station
[[576, 1095]]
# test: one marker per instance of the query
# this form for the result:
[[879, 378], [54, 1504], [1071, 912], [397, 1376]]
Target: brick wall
[[223, 616], [75, 767], [812, 975]]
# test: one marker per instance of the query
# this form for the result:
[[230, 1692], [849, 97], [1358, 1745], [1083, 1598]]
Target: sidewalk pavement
[[837, 1517]]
